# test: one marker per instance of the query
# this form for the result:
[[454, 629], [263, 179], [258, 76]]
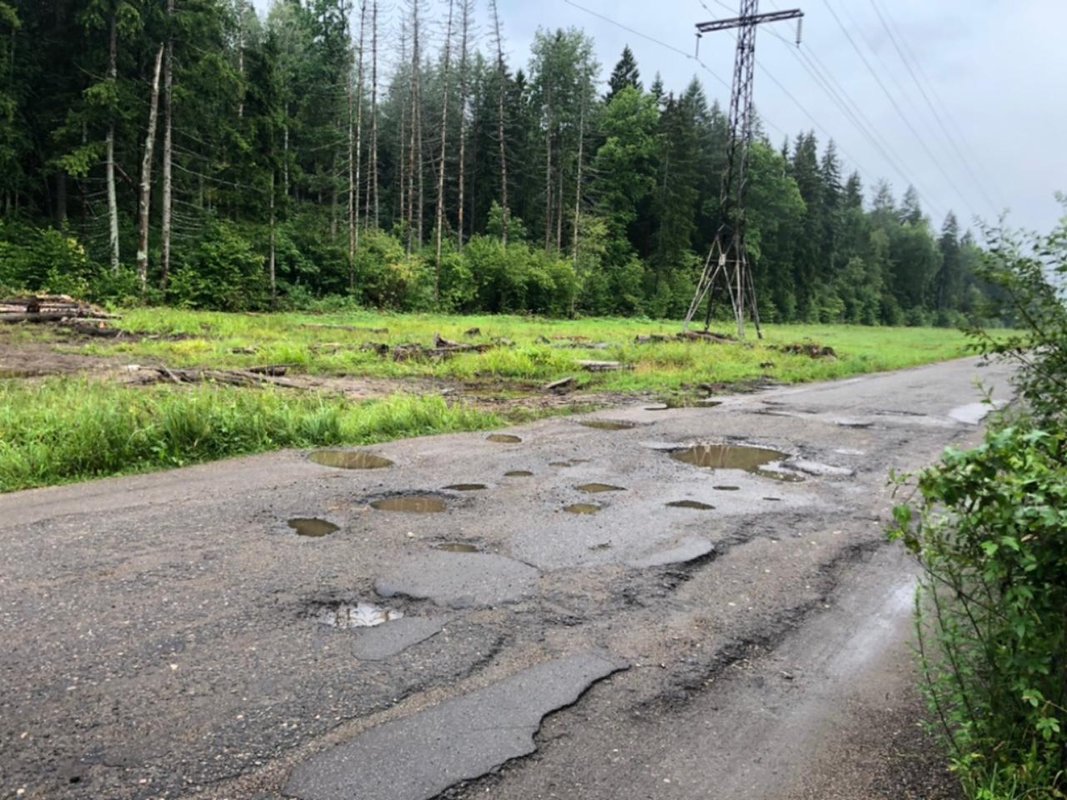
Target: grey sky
[[998, 67]]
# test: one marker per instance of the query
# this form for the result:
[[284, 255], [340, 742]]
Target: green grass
[[318, 344], [61, 430]]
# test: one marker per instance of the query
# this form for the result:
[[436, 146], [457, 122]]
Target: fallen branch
[[230, 377]]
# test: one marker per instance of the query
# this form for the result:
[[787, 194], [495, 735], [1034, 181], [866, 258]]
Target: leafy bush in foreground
[[990, 531]]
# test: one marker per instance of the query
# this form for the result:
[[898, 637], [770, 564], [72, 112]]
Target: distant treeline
[[190, 152]]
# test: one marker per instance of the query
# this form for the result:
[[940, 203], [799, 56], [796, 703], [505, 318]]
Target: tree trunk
[[466, 20], [112, 197], [168, 149], [578, 184], [355, 151], [146, 174], [548, 187], [272, 261], [441, 166], [503, 80], [372, 167]]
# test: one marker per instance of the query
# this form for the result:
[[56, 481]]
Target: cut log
[[562, 386], [604, 366], [230, 377]]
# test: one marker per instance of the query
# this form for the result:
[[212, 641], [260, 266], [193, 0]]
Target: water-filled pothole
[[466, 487], [694, 504], [349, 459], [597, 488], [582, 508], [411, 503], [457, 547], [355, 615], [518, 473], [608, 424], [503, 438], [310, 526], [727, 488], [729, 456]]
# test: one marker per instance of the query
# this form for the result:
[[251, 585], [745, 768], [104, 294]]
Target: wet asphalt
[[274, 627]]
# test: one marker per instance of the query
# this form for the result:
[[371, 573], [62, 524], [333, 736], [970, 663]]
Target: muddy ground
[[550, 625]]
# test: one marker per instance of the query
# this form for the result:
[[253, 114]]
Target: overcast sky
[[996, 71]]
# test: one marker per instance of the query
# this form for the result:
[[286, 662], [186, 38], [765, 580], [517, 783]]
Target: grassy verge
[[527, 349], [62, 431]]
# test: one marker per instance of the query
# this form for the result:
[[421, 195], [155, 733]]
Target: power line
[[856, 117], [892, 100], [900, 48]]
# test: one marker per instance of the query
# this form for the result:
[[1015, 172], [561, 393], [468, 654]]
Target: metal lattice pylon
[[727, 261]]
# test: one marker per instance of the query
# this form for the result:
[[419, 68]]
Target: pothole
[[312, 526], [411, 503], [727, 456], [726, 488], [582, 508], [355, 615], [693, 504], [597, 488], [457, 547], [773, 499], [466, 487], [349, 459], [608, 424], [518, 473], [503, 438]]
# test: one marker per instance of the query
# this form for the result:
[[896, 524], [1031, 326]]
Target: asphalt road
[[172, 636]]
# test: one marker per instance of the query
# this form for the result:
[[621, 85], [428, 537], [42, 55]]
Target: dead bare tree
[[146, 173], [355, 150], [372, 160], [168, 147], [502, 78], [112, 197], [445, 92], [466, 10]]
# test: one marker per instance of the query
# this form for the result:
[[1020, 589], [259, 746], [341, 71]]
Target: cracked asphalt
[[171, 635]]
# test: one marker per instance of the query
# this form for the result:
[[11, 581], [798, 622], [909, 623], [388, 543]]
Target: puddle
[[596, 488], [503, 438], [518, 473], [582, 508], [349, 459], [727, 488], [457, 547], [608, 424], [467, 487], [729, 456], [356, 615], [413, 504], [307, 526], [694, 504], [658, 407]]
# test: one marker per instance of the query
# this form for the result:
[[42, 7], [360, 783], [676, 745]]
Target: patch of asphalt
[[419, 757], [385, 641], [686, 549], [459, 580]]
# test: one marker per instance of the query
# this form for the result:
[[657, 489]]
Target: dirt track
[[171, 636]]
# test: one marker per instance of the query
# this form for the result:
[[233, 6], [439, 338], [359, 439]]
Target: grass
[[67, 430], [64, 430], [540, 350]]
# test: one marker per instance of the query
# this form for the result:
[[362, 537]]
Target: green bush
[[991, 535], [990, 531], [223, 272]]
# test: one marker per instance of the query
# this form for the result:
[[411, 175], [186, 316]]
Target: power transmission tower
[[728, 259]]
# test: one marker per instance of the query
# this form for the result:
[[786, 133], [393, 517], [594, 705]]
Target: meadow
[[66, 428]]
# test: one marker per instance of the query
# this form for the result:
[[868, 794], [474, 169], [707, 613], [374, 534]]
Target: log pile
[[51, 308]]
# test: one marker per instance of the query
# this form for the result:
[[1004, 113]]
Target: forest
[[197, 154]]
